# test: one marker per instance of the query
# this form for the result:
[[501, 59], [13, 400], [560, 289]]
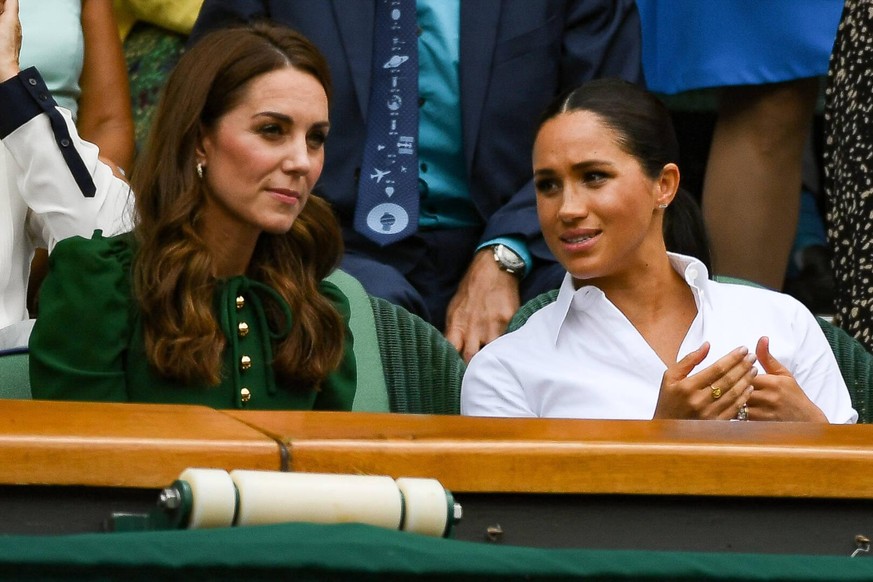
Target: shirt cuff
[[517, 245], [26, 96], [20, 105]]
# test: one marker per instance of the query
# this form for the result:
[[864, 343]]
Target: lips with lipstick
[[285, 195]]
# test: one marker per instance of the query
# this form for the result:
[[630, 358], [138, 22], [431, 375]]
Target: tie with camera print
[[387, 205]]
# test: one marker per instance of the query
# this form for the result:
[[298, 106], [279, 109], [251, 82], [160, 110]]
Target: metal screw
[[493, 533], [169, 498], [863, 543]]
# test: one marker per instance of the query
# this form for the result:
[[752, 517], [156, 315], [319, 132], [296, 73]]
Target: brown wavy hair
[[173, 270]]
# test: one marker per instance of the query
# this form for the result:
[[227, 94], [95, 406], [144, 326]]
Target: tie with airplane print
[[387, 205]]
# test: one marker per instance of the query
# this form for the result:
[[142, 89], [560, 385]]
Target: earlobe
[[668, 184]]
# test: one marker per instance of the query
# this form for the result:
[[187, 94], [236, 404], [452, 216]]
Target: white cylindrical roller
[[213, 498], [427, 507], [266, 497]]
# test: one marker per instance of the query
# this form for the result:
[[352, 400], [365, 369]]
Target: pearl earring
[[199, 170]]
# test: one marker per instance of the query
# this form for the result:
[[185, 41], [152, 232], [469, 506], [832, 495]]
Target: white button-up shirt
[[41, 202], [580, 357]]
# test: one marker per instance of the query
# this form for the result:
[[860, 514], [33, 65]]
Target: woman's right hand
[[716, 392], [10, 39]]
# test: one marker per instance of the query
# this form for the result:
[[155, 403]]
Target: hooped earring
[[199, 170]]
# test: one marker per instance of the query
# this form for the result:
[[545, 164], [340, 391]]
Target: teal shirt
[[88, 341], [445, 194]]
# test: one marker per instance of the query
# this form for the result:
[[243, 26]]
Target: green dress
[[87, 343]]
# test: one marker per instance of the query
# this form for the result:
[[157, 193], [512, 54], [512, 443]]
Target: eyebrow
[[289, 120], [577, 167]]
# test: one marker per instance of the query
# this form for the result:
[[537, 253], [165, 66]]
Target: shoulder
[[99, 262], [97, 249], [753, 298], [339, 299]]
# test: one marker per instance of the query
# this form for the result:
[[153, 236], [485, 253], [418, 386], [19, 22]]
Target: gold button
[[245, 395], [243, 328], [245, 363], [240, 301]]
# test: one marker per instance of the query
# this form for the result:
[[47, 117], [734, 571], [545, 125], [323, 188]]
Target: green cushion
[[423, 371], [371, 394], [14, 374]]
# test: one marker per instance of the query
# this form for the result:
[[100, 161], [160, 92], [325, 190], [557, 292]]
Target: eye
[[315, 139], [546, 186], [594, 177], [271, 130]]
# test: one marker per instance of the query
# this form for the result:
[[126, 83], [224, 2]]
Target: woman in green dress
[[217, 296]]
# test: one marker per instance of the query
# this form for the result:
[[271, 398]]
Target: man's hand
[[10, 39], [486, 300]]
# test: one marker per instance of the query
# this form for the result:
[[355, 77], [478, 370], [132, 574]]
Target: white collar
[[693, 271]]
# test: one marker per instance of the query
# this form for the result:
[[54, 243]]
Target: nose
[[297, 157], [574, 205]]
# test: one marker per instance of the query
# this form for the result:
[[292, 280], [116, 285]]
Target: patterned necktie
[[387, 206]]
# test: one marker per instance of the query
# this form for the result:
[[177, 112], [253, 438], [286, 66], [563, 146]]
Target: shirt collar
[[694, 272]]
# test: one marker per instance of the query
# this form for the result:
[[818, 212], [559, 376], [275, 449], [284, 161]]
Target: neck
[[646, 288], [231, 252]]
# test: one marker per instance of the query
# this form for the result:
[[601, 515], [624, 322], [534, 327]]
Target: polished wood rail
[[583, 456], [125, 445], [139, 445]]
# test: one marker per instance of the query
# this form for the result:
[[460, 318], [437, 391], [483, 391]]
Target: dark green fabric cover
[[359, 552]]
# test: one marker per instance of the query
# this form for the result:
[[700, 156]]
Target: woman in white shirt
[[637, 332]]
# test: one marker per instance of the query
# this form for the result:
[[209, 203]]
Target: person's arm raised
[[105, 117], [10, 39]]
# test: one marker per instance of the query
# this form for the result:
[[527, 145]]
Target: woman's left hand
[[777, 396]]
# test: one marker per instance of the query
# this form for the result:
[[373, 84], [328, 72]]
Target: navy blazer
[[515, 57]]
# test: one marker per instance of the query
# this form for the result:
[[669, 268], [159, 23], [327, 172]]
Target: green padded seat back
[[14, 374], [423, 371], [371, 394]]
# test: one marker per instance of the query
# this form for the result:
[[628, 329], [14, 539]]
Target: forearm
[[105, 116]]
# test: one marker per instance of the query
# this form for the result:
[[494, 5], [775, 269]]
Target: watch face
[[507, 257]]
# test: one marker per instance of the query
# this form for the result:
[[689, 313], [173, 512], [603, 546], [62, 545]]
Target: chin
[[583, 272], [279, 227]]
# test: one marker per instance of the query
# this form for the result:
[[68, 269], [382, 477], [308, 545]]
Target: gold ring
[[716, 392]]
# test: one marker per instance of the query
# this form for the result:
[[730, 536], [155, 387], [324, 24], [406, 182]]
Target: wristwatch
[[508, 260]]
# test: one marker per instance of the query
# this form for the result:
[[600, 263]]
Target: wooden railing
[[128, 445]]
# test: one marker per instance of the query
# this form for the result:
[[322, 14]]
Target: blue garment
[[693, 44]]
